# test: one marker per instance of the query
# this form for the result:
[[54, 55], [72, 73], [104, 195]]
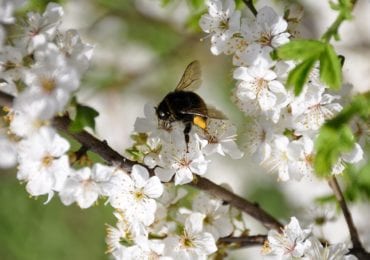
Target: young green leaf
[[300, 50], [336, 137], [330, 68], [299, 75], [85, 117], [330, 144]]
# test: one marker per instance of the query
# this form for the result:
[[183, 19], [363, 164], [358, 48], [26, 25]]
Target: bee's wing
[[214, 113], [211, 112], [195, 111], [191, 79]]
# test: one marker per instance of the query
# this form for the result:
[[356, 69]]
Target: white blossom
[[353, 156], [259, 137], [266, 33], [176, 161], [49, 81], [43, 163], [7, 8], [284, 155], [220, 138], [85, 185], [29, 117], [259, 83], [317, 112], [42, 28], [332, 252], [77, 53], [136, 194], [291, 242], [216, 216], [11, 63], [126, 233], [193, 243], [223, 21]]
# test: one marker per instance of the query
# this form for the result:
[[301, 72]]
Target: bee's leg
[[186, 133]]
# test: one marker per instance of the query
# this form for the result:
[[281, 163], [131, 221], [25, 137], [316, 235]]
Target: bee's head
[[162, 112]]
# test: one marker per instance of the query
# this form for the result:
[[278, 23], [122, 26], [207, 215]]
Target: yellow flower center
[[48, 84], [47, 160]]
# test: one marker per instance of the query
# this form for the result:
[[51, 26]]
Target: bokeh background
[[141, 50]]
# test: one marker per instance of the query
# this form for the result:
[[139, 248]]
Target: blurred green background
[[31, 230]]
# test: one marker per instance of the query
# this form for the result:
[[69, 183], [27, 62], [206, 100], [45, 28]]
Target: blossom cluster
[[42, 68], [283, 127], [297, 243]]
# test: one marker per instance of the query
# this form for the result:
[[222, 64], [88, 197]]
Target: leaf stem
[[344, 14]]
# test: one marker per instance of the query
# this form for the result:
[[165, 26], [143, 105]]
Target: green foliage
[[336, 137], [299, 75], [330, 144], [308, 52], [357, 183], [85, 117], [330, 67]]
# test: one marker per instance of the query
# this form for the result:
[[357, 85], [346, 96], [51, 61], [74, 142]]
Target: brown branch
[[357, 248], [244, 205], [114, 158], [244, 241]]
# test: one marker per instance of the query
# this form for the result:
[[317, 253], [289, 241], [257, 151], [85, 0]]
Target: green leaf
[[308, 52], [330, 144], [301, 50], [330, 68], [299, 75], [360, 105], [85, 117], [336, 137], [357, 182]]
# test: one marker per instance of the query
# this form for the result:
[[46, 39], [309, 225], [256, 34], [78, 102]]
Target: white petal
[[183, 176], [139, 175], [164, 174], [194, 223], [355, 155], [153, 188]]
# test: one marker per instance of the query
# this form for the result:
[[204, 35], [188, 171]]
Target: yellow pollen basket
[[200, 122]]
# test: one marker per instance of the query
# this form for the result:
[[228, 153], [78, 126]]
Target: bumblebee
[[184, 105]]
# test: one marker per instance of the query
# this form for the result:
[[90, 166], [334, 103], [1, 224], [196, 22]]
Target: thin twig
[[248, 207], [114, 158], [250, 5], [333, 183], [244, 241]]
